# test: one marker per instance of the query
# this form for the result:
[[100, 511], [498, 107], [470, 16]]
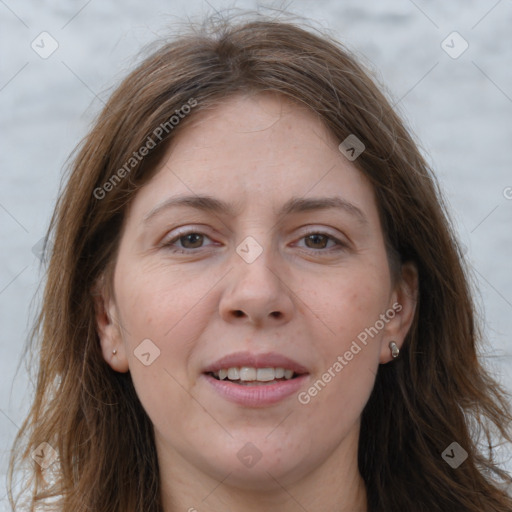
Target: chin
[[251, 468]]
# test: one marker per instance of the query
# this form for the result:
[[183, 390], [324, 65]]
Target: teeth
[[246, 373], [233, 374], [279, 373], [265, 374]]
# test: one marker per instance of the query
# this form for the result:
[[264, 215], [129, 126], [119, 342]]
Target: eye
[[189, 241], [318, 240]]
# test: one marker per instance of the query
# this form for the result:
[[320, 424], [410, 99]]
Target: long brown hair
[[436, 393]]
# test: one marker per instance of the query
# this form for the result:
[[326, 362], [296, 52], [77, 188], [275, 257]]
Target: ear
[[108, 328], [401, 310]]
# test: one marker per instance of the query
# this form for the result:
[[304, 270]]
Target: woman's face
[[275, 260]]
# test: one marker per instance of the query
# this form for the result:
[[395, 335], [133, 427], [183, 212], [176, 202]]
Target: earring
[[114, 351], [394, 349]]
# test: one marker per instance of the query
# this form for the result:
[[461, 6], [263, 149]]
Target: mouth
[[251, 376], [255, 380]]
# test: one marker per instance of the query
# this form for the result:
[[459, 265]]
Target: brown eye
[[191, 240], [317, 241], [186, 242]]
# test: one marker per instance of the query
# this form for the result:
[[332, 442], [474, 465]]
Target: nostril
[[238, 313]]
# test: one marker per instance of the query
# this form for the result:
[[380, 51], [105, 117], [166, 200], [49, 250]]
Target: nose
[[256, 292]]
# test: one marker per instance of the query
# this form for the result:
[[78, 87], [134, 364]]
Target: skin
[[254, 152]]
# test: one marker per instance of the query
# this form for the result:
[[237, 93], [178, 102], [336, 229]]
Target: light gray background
[[460, 109]]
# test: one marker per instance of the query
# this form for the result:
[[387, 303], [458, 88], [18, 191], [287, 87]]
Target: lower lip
[[257, 395]]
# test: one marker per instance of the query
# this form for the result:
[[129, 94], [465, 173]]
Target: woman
[[255, 300]]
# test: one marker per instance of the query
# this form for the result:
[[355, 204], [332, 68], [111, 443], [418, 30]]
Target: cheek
[[349, 306], [349, 355], [158, 301], [348, 303], [167, 308]]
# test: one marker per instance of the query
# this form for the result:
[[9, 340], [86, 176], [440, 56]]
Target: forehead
[[237, 130], [256, 151]]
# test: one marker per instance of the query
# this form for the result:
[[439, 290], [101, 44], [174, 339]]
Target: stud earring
[[394, 349], [114, 351]]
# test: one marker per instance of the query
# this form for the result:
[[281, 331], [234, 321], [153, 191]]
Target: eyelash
[[169, 245]]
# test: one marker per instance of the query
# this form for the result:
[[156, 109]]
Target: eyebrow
[[294, 205]]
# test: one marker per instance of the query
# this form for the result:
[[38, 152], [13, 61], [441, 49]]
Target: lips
[[264, 391], [251, 360]]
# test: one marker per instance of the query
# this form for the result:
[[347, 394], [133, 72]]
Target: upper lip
[[248, 359]]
